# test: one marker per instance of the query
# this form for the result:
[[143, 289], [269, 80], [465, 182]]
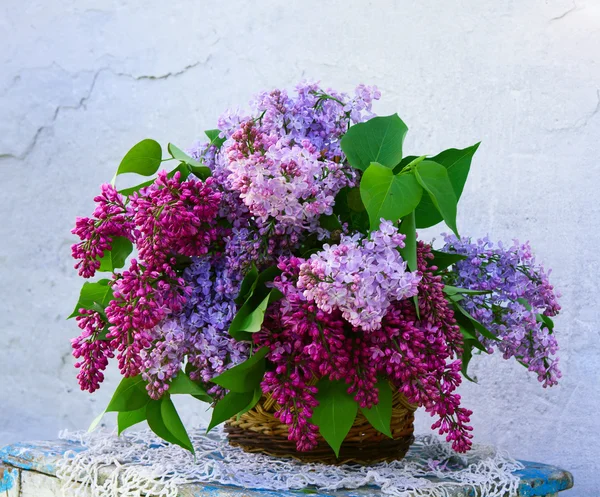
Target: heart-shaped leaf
[[144, 158], [244, 377], [130, 395], [387, 195], [92, 294], [377, 140], [115, 258]]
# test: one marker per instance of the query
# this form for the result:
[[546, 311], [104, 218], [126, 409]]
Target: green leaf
[[165, 422], [144, 158], [330, 222], [453, 290], [404, 162], [136, 188], [96, 422], [380, 415], [387, 195], [433, 177], [350, 209], [93, 293], [409, 251], [258, 296], [255, 399], [466, 359], [183, 385], [248, 285], [476, 324], [130, 395], [229, 406], [442, 260], [468, 332], [250, 317], [546, 321], [213, 136], [244, 377], [115, 257], [458, 163], [378, 140], [335, 413], [199, 169], [130, 418], [426, 213]]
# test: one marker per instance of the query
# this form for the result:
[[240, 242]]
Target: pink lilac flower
[[359, 276], [520, 291], [111, 218], [166, 219], [174, 217], [91, 351]]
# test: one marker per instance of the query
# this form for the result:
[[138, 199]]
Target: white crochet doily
[[138, 463]]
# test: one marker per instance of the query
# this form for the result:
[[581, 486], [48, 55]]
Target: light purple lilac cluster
[[361, 276], [282, 165], [519, 292]]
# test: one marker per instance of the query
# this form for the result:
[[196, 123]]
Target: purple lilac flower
[[281, 167], [360, 276], [206, 318], [520, 291]]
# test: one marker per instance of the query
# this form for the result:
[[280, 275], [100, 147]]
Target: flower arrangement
[[280, 258]]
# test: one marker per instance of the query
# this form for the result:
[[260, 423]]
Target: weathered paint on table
[[29, 470]]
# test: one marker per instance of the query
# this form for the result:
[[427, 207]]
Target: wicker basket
[[259, 431]]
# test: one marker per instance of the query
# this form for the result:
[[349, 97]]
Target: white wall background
[[83, 81]]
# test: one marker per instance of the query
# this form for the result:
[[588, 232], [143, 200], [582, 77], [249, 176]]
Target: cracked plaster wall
[[81, 82]]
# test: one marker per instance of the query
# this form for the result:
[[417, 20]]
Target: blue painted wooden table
[[29, 470]]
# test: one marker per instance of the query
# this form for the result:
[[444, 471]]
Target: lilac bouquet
[[279, 257]]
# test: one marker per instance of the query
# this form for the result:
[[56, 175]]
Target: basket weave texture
[[259, 431]]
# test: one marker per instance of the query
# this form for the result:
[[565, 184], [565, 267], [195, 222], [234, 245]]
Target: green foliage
[[256, 297], [165, 422], [433, 177], [330, 222], [443, 260], [481, 329], [457, 163], [244, 377], [409, 251], [126, 419], [182, 384], [378, 140], [335, 413], [115, 257], [144, 159], [193, 166], [350, 209], [215, 139], [130, 395], [388, 195], [93, 294], [454, 290], [230, 405], [380, 415]]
